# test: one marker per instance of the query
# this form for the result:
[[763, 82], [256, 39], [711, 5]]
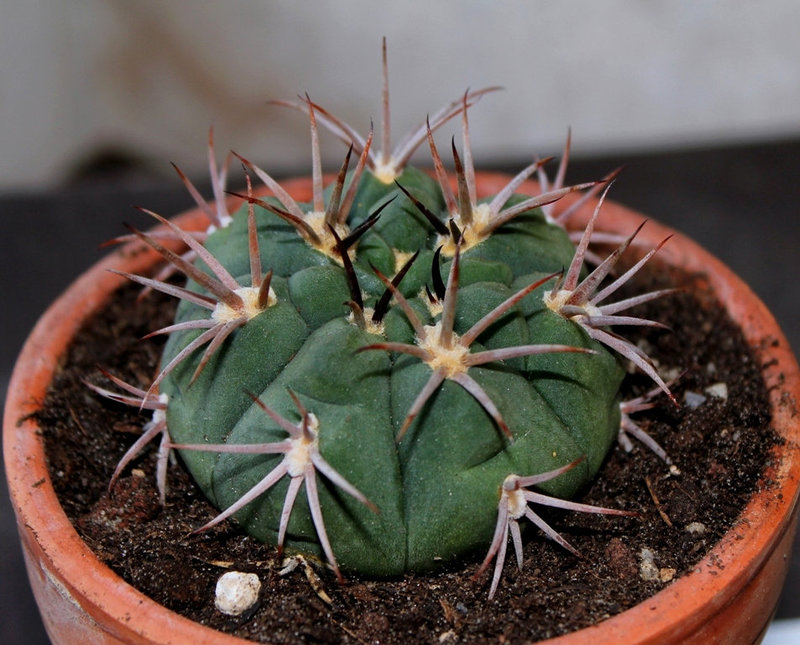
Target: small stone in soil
[[237, 592]]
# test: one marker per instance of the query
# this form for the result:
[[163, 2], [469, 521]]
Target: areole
[[81, 600]]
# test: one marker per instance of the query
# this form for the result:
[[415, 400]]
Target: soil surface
[[720, 445]]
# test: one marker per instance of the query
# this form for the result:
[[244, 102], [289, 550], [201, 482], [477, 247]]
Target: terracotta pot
[[729, 597]]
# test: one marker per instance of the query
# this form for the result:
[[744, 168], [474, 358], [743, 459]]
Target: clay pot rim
[[106, 597]]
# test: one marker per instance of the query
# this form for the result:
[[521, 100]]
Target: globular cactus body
[[437, 489], [416, 356]]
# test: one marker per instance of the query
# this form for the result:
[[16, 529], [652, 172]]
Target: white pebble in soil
[[648, 570], [647, 566], [718, 391], [696, 528], [693, 400], [237, 592]]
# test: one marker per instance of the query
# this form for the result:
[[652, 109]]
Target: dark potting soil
[[721, 447]]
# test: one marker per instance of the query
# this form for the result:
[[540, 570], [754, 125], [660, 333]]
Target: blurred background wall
[[86, 80]]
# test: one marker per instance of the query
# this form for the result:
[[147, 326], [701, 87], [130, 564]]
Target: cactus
[[411, 355]]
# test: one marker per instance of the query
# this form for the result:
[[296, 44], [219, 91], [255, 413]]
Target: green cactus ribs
[[413, 358]]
